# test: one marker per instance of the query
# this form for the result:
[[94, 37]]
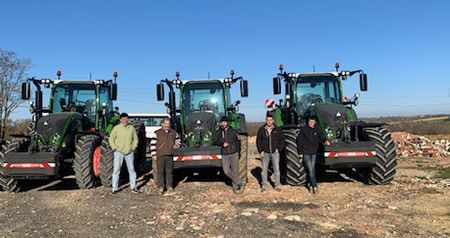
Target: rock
[[247, 214], [272, 217], [392, 207], [293, 218], [254, 210], [179, 228]]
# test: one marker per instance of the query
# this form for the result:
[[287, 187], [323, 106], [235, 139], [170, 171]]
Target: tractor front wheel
[[83, 163], [8, 184], [386, 164], [294, 171], [106, 163], [243, 155]]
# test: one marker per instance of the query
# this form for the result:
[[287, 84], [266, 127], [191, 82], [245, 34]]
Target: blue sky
[[403, 46]]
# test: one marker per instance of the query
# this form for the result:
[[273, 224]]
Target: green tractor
[[366, 148], [66, 137], [201, 105]]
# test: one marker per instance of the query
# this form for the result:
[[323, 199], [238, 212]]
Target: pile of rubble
[[420, 146]]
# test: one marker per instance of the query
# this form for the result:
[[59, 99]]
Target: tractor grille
[[208, 121], [50, 124]]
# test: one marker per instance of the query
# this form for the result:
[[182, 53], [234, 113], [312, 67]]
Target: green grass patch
[[443, 172]]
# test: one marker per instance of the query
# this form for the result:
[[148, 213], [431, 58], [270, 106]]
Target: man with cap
[[227, 138], [123, 140]]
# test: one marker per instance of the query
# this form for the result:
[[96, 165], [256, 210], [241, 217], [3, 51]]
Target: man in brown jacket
[[165, 145]]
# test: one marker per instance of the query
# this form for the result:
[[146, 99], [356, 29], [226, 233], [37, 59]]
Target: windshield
[[316, 89], [204, 97], [148, 121], [75, 97]]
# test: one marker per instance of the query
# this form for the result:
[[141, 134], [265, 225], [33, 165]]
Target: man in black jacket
[[228, 139], [270, 142], [309, 141]]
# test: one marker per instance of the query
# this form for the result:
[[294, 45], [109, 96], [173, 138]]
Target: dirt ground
[[416, 204]]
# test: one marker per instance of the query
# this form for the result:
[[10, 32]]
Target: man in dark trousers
[[228, 139], [165, 146], [270, 142], [309, 141]]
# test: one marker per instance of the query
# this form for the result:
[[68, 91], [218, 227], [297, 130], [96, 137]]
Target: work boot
[[161, 191], [241, 188], [170, 192], [315, 190], [277, 188], [263, 189], [135, 191]]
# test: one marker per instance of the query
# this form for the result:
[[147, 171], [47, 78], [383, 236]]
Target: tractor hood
[[51, 128], [334, 119]]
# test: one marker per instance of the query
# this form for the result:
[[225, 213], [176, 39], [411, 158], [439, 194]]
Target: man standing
[[123, 140], [165, 146], [228, 139], [269, 142], [309, 141]]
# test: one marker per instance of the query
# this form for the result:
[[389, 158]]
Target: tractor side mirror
[[113, 91], [172, 100], [26, 90], [244, 88], [276, 86], [363, 82], [160, 91]]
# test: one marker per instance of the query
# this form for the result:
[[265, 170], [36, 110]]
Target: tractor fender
[[83, 133]]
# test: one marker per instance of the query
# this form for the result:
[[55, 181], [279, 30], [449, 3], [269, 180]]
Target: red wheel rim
[[96, 161]]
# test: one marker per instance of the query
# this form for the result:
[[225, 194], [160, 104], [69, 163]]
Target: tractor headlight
[[329, 132]]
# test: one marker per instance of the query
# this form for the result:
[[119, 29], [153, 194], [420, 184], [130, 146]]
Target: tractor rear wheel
[[141, 150], [294, 171], [9, 184], [83, 161], [106, 162], [243, 155], [386, 164]]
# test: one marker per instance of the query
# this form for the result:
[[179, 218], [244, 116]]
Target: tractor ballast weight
[[364, 147], [201, 104]]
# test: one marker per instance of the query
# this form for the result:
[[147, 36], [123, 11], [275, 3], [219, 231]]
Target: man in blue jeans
[[270, 142], [309, 141], [123, 140]]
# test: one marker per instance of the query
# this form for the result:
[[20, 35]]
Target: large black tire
[[243, 155], [141, 150], [83, 161], [8, 184], [106, 162], [294, 171], [386, 164]]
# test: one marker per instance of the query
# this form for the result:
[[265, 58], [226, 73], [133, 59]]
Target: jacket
[[228, 135], [123, 139], [270, 142], [165, 142], [309, 140]]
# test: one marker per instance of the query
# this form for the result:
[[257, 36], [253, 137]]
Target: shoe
[[263, 188], [316, 190], [170, 192], [313, 190], [161, 191], [241, 188], [135, 191], [113, 191], [277, 188], [310, 189]]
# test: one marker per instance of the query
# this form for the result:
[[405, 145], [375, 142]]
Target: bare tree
[[12, 74]]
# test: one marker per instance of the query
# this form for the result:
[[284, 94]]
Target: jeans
[[310, 162], [165, 168], [275, 158], [118, 161], [230, 165]]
